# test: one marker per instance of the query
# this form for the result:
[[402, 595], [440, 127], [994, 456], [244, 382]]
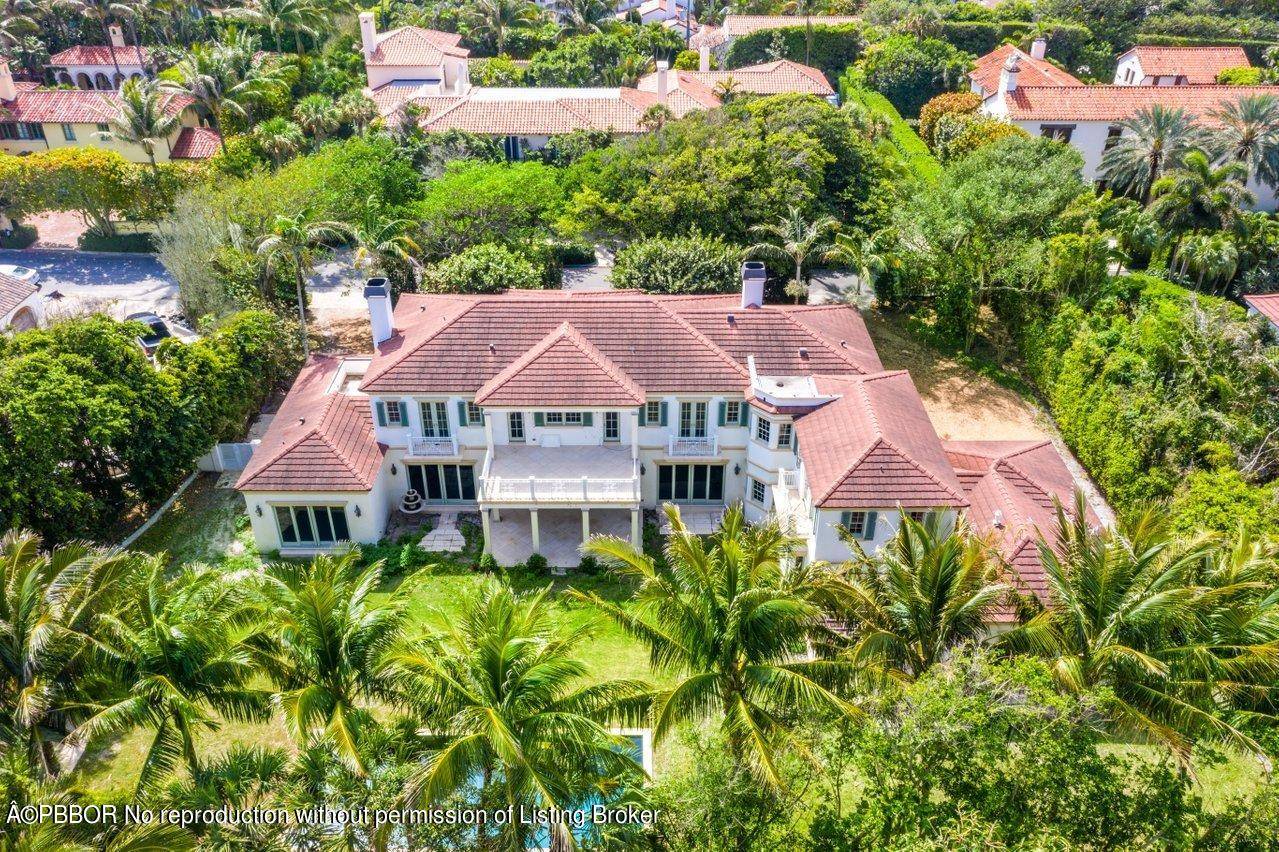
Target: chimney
[[753, 277], [663, 68], [1008, 76], [378, 295], [704, 55], [368, 34], [117, 35], [8, 91], [1039, 48]]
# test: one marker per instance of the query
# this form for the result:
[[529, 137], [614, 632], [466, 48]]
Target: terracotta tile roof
[[416, 46], [1196, 64], [318, 441], [101, 55], [709, 35], [1267, 305], [13, 293], [768, 78], [563, 369], [391, 96], [196, 143], [74, 106], [1116, 103], [740, 25], [874, 447], [1031, 71]]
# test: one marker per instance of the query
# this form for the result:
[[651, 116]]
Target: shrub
[[21, 237], [947, 103], [496, 71], [141, 242], [479, 202], [1223, 501], [486, 268], [1243, 76], [487, 563], [957, 135], [910, 72], [692, 264], [575, 253], [536, 564], [691, 60], [834, 47]]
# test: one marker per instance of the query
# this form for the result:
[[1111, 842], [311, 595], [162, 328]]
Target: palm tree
[[178, 651], [794, 238], [861, 251], [923, 593], [722, 615], [1212, 256], [514, 708], [1152, 142], [48, 603], [496, 19], [317, 114], [205, 76], [294, 239], [356, 109], [100, 12], [245, 778], [1248, 132], [1198, 197], [727, 88], [332, 636], [279, 138], [805, 8], [628, 70], [388, 242], [583, 17], [16, 23], [281, 17], [1124, 616], [142, 119]]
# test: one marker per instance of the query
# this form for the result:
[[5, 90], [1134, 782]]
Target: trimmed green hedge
[[904, 138], [691, 264], [22, 236], [141, 243], [835, 47]]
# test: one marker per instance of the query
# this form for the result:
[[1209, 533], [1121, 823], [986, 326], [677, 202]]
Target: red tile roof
[[74, 106], [1196, 64], [1031, 71], [1267, 305], [1116, 103], [563, 369], [537, 112], [663, 343], [101, 55], [767, 78], [874, 447], [416, 46], [318, 441], [196, 143], [13, 293]]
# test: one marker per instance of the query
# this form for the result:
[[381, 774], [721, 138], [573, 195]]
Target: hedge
[[691, 264], [486, 268], [907, 142], [835, 47], [1066, 41], [22, 237], [139, 242]]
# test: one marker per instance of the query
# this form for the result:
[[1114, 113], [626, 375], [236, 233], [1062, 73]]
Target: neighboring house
[[557, 414], [21, 306], [1089, 118], [1267, 305], [718, 39], [1176, 66], [35, 118], [768, 78], [101, 67], [431, 61], [1033, 67]]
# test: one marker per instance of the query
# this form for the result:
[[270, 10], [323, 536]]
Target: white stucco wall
[[32, 305], [365, 529]]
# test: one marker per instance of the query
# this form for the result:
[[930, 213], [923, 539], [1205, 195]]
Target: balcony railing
[[705, 447], [421, 447], [541, 489]]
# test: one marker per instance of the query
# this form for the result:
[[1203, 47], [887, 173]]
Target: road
[[117, 285]]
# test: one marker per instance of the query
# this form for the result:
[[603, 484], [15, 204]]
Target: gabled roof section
[[196, 143], [97, 54], [767, 78], [409, 46], [1198, 65], [874, 447], [1031, 71], [318, 441], [563, 369], [1116, 103], [14, 292], [76, 106], [1266, 304]]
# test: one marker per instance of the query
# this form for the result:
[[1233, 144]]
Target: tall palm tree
[[806, 8], [496, 19], [794, 238], [1212, 256], [388, 243], [48, 604], [294, 239], [178, 652], [722, 615], [205, 76], [17, 22], [332, 635], [1124, 616], [1199, 197], [317, 114], [356, 109], [100, 12], [628, 70], [924, 592], [1248, 131], [1152, 142], [862, 252], [514, 708], [279, 138], [142, 119], [583, 17], [281, 18]]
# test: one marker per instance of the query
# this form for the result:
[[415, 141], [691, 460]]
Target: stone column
[[537, 538], [637, 529], [586, 525], [488, 532]]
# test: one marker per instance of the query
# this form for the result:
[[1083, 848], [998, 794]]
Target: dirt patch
[[963, 404], [344, 336]]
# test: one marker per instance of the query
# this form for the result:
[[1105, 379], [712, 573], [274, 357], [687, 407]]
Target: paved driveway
[[116, 284]]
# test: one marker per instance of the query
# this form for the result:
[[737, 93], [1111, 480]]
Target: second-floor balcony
[[424, 448], [706, 446], [790, 506], [560, 475]]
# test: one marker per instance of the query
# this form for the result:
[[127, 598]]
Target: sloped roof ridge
[[841, 354], [703, 339], [392, 362], [925, 471], [564, 331], [285, 449], [848, 471]]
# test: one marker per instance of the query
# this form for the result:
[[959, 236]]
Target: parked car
[[22, 273], [159, 330]]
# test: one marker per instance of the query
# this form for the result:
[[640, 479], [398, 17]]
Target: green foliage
[[1224, 501], [959, 135], [595, 59], [834, 47], [511, 204], [484, 268], [947, 103], [691, 264], [1244, 76], [495, 71], [690, 60], [137, 242], [905, 141], [22, 237], [910, 72]]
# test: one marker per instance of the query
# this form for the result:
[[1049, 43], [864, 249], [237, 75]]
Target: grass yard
[[202, 526]]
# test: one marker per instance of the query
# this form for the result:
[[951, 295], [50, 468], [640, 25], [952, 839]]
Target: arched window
[[119, 80], [23, 319], [100, 82], [64, 79], [82, 81]]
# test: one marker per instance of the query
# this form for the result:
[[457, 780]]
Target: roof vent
[[301, 421], [843, 344], [803, 353], [998, 519], [492, 348]]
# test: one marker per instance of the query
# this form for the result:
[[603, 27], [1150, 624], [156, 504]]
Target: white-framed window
[[763, 429], [692, 420], [612, 426], [68, 132], [653, 412], [732, 412], [564, 418], [784, 432], [394, 414], [435, 420], [860, 524], [303, 525], [917, 515], [759, 492], [474, 416], [103, 127], [515, 425]]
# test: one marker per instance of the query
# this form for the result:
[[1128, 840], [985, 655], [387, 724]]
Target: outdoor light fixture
[[259, 510], [642, 470], [357, 511], [737, 470], [392, 470]]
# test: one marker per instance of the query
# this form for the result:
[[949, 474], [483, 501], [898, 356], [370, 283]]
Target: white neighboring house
[[429, 61], [21, 306], [95, 66], [1266, 305], [1147, 65]]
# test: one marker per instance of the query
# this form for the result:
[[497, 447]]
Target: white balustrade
[[703, 447], [423, 447]]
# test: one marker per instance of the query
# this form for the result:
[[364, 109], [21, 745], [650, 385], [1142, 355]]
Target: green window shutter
[[587, 418], [643, 420], [744, 413], [722, 405], [871, 517], [380, 407], [461, 412], [845, 518], [539, 419], [662, 421]]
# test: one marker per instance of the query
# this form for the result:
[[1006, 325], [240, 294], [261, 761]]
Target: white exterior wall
[[825, 544], [366, 529], [33, 304], [450, 73], [78, 75]]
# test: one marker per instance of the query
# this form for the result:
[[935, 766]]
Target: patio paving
[[445, 537], [560, 531], [696, 521]]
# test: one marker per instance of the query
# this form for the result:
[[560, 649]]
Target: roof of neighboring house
[[196, 143], [873, 446], [1267, 305], [102, 55], [662, 343], [320, 440], [14, 292], [740, 25], [1014, 488], [74, 106], [415, 46], [563, 369], [1116, 103], [542, 111], [1196, 64], [1030, 71], [767, 78]]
